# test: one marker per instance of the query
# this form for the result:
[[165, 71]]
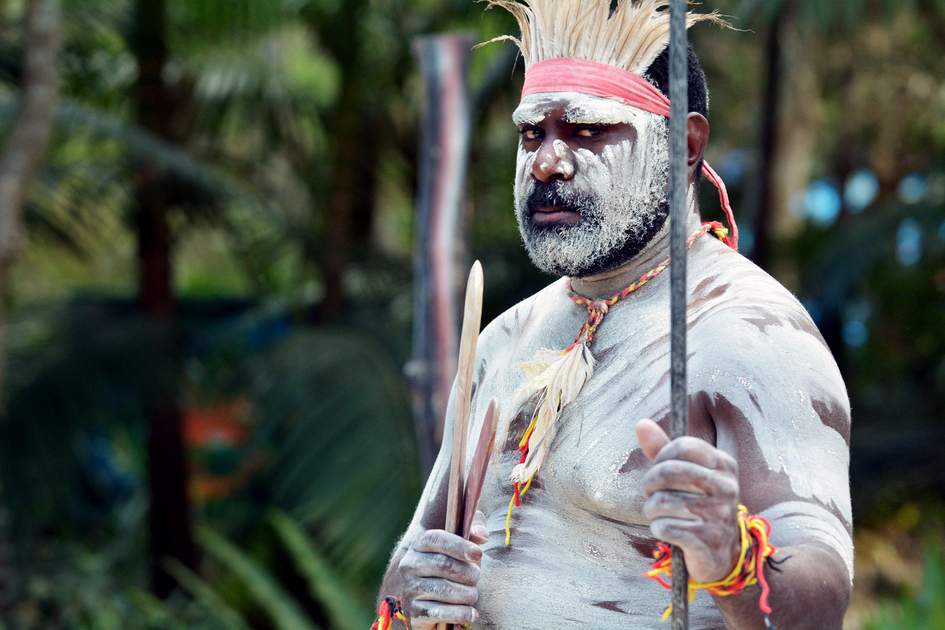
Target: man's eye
[[588, 132], [530, 134]]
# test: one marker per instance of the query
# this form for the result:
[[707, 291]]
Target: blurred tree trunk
[[788, 139], [351, 201], [20, 161], [770, 119], [29, 139], [159, 109], [350, 208]]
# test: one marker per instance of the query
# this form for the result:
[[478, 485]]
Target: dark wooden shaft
[[679, 183]]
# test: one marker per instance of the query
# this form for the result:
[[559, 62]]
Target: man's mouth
[[555, 215]]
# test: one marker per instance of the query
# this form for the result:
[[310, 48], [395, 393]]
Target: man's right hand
[[440, 572]]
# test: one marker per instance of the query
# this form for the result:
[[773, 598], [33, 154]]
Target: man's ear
[[698, 139]]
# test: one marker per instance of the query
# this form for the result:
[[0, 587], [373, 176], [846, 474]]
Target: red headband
[[568, 74]]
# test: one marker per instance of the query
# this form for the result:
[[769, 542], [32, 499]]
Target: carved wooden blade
[[479, 465]]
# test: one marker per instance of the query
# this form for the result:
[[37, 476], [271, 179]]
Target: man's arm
[[693, 494], [781, 415]]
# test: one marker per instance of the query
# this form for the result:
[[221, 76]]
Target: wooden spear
[[679, 183]]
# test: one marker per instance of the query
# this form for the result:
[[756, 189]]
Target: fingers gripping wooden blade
[[479, 465]]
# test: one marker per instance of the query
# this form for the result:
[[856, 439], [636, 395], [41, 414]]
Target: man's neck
[[607, 283]]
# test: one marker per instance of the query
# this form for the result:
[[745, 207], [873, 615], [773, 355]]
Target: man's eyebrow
[[527, 120], [584, 117], [528, 115], [584, 114]]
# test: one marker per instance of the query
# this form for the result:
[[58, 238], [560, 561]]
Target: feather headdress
[[630, 38]]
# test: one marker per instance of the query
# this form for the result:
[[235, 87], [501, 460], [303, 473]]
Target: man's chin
[[552, 253]]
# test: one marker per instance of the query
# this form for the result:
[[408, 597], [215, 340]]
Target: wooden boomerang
[[472, 319]]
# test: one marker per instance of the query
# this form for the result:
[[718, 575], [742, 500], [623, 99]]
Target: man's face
[[591, 181]]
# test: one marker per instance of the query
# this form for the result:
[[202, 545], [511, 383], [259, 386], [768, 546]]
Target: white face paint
[[580, 109], [621, 193]]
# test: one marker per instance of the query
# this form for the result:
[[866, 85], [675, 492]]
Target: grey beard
[[552, 249]]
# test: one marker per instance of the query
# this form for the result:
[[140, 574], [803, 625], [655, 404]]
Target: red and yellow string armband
[[388, 611], [756, 552]]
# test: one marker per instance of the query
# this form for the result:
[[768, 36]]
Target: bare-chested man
[[770, 419]]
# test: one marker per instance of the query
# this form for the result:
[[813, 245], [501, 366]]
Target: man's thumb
[[651, 437]]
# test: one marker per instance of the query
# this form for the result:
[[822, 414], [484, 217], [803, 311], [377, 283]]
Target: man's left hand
[[692, 500]]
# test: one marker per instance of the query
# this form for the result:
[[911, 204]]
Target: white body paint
[[572, 562]]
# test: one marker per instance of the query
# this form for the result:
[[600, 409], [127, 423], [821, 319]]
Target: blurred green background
[[220, 237]]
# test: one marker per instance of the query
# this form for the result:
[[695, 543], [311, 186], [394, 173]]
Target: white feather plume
[[631, 38]]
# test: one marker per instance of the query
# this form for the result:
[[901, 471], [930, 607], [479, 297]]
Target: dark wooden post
[[440, 235]]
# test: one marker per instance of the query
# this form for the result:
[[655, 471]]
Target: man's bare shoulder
[[729, 290], [745, 323], [735, 301]]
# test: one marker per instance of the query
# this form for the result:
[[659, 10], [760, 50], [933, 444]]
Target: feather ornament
[[554, 381]]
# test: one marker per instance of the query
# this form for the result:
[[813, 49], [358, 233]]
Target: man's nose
[[555, 160]]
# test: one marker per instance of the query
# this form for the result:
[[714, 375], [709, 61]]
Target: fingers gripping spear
[[679, 182]]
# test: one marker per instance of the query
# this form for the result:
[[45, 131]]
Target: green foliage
[[64, 586], [922, 610], [325, 586], [264, 589], [337, 423], [206, 596]]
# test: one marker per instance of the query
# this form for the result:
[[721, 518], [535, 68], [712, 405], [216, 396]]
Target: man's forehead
[[578, 109]]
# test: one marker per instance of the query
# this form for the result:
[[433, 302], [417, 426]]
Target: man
[[769, 414]]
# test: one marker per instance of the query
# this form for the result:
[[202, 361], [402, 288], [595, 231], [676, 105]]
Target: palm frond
[[325, 585], [284, 611], [207, 596], [334, 407]]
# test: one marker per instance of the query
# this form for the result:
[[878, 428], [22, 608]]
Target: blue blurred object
[[913, 188], [822, 202], [813, 309], [909, 243], [856, 330], [861, 190], [855, 333], [733, 166], [107, 477], [746, 240]]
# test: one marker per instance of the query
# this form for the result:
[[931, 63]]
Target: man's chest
[[594, 463]]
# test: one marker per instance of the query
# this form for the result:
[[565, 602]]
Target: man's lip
[[553, 215]]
